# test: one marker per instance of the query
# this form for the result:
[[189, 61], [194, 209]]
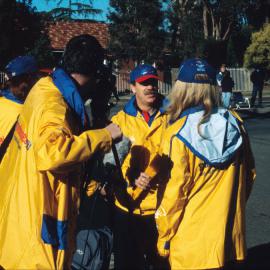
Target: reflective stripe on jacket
[[40, 179], [201, 219], [146, 139]]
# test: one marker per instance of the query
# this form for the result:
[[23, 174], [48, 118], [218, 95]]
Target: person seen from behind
[[257, 78], [201, 218], [44, 164], [227, 85], [21, 75]]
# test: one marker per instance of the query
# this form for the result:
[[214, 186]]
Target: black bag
[[93, 249], [94, 240]]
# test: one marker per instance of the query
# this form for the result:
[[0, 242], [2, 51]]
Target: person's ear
[[133, 88]]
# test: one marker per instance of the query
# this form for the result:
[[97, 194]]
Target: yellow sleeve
[[92, 187], [57, 149], [115, 119], [249, 163], [169, 213]]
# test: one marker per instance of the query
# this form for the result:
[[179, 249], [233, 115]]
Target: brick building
[[60, 32]]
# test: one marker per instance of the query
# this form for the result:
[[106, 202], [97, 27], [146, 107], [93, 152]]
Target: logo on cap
[[21, 65], [142, 73], [196, 71]]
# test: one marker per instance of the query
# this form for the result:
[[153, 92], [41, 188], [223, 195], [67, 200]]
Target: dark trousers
[[135, 239], [256, 89]]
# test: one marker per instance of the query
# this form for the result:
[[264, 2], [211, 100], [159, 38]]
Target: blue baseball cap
[[142, 73], [21, 65], [196, 71]]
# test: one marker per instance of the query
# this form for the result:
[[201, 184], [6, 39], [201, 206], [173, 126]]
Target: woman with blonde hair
[[201, 218]]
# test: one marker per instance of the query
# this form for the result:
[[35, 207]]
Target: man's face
[[86, 84], [146, 91]]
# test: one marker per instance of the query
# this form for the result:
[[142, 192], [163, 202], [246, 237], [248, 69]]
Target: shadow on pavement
[[258, 258], [252, 114]]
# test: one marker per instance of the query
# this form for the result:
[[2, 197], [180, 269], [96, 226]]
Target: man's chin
[[151, 99]]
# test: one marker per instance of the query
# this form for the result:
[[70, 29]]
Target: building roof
[[60, 32]]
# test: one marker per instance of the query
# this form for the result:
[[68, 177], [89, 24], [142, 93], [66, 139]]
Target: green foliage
[[185, 29], [42, 53], [74, 9], [231, 60], [217, 29], [7, 9], [258, 52], [257, 13], [214, 51], [136, 29], [238, 43], [22, 32]]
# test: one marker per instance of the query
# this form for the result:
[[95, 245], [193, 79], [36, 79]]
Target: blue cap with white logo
[[197, 71], [21, 65], [142, 73]]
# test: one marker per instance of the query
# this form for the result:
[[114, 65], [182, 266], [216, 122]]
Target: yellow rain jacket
[[10, 108], [201, 219], [40, 177], [146, 139]]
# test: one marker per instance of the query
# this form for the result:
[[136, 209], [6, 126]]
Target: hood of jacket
[[217, 140]]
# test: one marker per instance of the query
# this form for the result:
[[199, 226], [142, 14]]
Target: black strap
[[6, 142], [120, 190]]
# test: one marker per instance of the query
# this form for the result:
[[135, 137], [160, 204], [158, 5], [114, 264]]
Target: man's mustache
[[150, 92]]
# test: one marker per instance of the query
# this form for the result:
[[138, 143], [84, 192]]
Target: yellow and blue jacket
[[201, 218], [145, 138], [10, 108], [40, 176]]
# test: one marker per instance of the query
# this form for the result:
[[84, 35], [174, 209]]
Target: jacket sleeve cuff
[[100, 139], [163, 248]]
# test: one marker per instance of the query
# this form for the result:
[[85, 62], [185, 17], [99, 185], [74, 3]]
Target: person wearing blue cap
[[143, 121], [21, 74], [201, 218]]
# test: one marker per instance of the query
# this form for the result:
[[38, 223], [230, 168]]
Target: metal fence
[[241, 78], [239, 75], [2, 78], [122, 82]]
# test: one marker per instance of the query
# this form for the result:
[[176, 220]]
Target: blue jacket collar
[[132, 109], [8, 95], [71, 94], [191, 111]]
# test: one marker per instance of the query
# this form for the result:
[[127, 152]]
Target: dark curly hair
[[83, 54]]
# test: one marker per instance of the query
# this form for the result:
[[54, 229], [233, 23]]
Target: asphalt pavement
[[258, 207]]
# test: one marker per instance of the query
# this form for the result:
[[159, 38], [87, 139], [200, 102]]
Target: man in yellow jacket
[[41, 171], [143, 121], [22, 75], [201, 218]]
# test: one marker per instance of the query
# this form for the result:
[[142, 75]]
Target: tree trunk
[[213, 24], [226, 35], [205, 22]]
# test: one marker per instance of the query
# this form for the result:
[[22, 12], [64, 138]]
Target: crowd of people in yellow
[[187, 174]]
